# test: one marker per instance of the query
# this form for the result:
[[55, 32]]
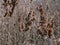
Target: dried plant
[[9, 4]]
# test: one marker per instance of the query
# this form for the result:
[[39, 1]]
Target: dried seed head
[[50, 29], [41, 9]]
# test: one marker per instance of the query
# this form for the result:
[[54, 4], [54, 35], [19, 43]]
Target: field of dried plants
[[29, 22]]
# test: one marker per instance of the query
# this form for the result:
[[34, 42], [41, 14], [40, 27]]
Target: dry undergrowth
[[47, 28], [10, 6]]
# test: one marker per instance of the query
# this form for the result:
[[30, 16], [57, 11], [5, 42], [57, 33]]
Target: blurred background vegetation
[[29, 22]]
